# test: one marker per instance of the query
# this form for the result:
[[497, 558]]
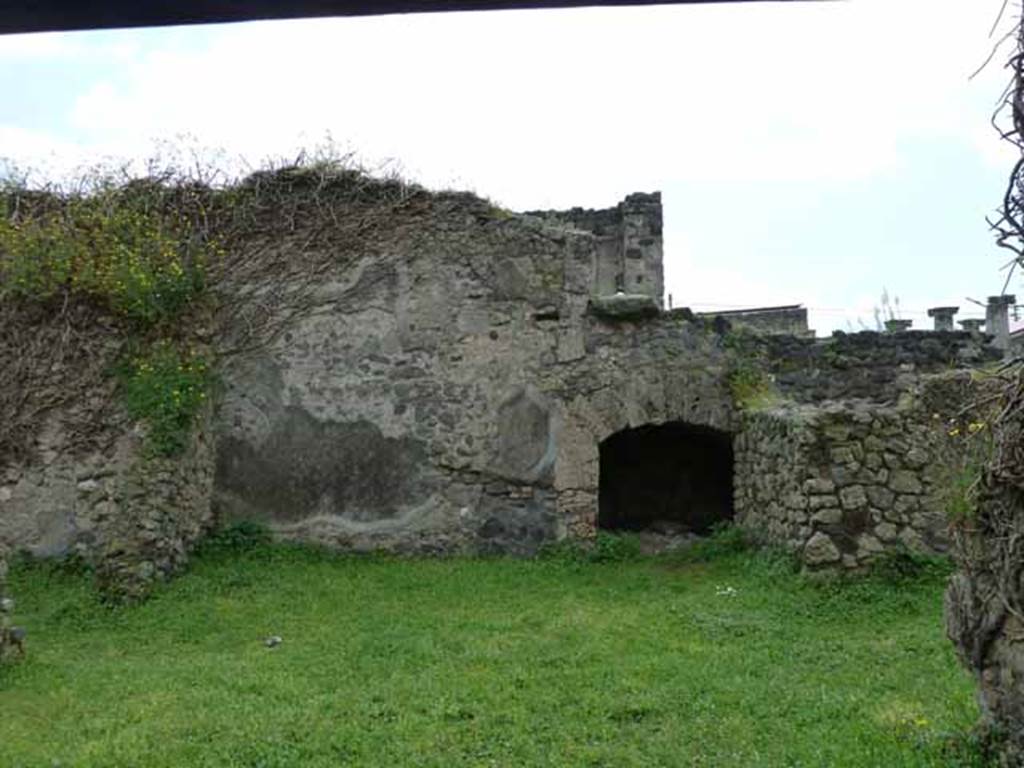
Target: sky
[[817, 153]]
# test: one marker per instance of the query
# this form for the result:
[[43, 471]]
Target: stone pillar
[[973, 325], [627, 245], [997, 319], [642, 267], [895, 326], [943, 317]]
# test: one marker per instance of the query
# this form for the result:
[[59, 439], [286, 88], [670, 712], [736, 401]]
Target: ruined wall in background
[[845, 453], [870, 366], [446, 388], [420, 403]]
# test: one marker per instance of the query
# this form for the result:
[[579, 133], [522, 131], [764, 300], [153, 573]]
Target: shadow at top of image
[[67, 15]]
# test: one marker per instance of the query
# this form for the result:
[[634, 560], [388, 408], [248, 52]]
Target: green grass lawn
[[389, 662]]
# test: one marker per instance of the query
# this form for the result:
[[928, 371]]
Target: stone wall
[[841, 482], [451, 395], [445, 392], [771, 469], [459, 405], [130, 515], [446, 387], [875, 367], [150, 513], [835, 484]]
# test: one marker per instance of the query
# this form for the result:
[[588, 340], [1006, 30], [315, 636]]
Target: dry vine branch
[[279, 236], [985, 599], [1009, 226]]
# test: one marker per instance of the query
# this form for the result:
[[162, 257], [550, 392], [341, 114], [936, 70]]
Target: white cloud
[[43, 155], [505, 100]]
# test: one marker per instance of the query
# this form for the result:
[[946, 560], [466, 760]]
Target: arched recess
[[673, 477], [699, 399]]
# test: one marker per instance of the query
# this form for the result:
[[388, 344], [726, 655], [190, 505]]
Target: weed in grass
[[899, 564], [237, 537], [614, 548], [725, 539], [604, 548]]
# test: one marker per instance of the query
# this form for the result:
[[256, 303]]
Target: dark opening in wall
[[674, 477]]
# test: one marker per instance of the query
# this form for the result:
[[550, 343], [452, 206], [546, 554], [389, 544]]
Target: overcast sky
[[806, 152]]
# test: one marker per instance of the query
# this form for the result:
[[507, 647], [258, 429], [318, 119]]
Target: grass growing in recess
[[553, 662]]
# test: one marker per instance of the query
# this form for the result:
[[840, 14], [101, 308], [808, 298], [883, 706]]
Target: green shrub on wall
[[165, 389], [751, 388], [750, 383], [140, 265], [124, 252], [114, 259]]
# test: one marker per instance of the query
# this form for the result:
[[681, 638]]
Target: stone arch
[[699, 399]]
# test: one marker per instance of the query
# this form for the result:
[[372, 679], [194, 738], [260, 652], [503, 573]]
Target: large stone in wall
[[624, 306], [526, 440], [820, 550]]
